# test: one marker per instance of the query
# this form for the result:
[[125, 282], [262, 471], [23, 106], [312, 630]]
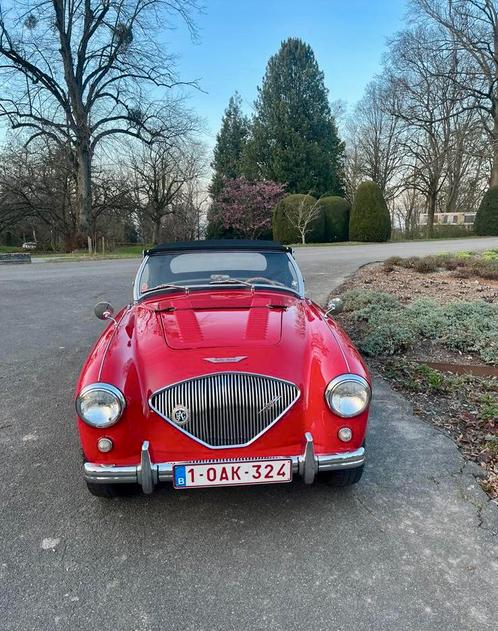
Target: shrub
[[450, 231], [485, 269], [486, 222], [284, 231], [389, 328], [409, 262], [357, 299], [336, 211], [370, 219], [462, 272], [426, 265], [448, 262], [393, 261]]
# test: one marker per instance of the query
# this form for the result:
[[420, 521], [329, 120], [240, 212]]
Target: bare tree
[[303, 215], [469, 28], [162, 173], [39, 186], [378, 137], [427, 103], [353, 162], [77, 71], [189, 213]]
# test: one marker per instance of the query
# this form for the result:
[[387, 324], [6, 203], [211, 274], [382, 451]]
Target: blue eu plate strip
[[180, 476]]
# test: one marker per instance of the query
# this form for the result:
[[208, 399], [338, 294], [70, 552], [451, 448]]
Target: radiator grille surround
[[225, 409]]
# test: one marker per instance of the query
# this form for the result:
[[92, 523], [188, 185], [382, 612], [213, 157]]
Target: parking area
[[413, 546]]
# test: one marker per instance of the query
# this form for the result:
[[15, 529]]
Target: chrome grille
[[226, 409]]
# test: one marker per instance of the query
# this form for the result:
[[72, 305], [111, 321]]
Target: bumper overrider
[[147, 474]]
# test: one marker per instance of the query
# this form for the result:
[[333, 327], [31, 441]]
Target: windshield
[[191, 269]]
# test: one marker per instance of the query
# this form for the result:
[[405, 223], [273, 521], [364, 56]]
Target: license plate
[[232, 473]]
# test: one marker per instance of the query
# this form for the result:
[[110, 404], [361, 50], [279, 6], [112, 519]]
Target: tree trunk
[[156, 230], [494, 169], [84, 185], [431, 209]]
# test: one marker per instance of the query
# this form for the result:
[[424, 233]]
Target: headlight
[[100, 404], [348, 395]]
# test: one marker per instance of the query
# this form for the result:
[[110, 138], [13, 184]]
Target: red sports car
[[221, 372]]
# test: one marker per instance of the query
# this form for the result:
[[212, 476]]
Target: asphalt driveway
[[413, 546]]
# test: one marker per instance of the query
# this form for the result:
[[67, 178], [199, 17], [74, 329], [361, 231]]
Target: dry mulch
[[406, 284]]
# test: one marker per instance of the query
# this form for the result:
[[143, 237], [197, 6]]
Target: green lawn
[[6, 249]]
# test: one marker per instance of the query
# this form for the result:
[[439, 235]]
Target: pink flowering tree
[[246, 207]]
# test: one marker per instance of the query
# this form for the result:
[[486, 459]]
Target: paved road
[[414, 546]]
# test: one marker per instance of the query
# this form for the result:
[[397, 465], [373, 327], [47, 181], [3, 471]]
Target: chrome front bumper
[[147, 474]]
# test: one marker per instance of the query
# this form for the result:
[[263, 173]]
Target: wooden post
[[89, 245], [103, 245]]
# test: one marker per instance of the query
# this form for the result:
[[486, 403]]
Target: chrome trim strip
[[306, 465], [109, 474], [205, 394]]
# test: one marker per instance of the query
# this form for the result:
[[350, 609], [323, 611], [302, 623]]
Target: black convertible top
[[218, 244]]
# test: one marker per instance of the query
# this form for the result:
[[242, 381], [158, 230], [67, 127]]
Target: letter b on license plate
[[232, 473]]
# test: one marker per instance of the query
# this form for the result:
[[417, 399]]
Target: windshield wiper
[[165, 286], [230, 281]]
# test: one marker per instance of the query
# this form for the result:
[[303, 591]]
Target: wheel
[[111, 490], [342, 477]]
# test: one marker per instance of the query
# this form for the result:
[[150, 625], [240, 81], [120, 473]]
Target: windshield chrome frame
[[138, 296]]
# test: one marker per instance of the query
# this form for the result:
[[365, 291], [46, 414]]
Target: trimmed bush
[[486, 222], [336, 211], [370, 219], [284, 231], [389, 328]]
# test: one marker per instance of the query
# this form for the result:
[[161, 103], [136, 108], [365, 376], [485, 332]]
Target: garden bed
[[430, 326]]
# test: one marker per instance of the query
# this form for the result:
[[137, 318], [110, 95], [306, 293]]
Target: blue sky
[[237, 37]]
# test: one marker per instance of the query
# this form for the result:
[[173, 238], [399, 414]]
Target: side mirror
[[104, 311], [335, 306]]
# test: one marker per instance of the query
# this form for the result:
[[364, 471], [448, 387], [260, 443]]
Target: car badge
[[225, 360], [181, 414], [270, 404]]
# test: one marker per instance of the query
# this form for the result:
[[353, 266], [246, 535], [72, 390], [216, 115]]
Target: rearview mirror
[[335, 306], [104, 310]]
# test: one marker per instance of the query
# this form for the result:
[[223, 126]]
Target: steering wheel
[[266, 280]]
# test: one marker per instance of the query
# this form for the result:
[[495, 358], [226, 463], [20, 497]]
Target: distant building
[[447, 219]]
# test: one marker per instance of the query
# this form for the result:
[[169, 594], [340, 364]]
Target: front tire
[[342, 477], [108, 491]]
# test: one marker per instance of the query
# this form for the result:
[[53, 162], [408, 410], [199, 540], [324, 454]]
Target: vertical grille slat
[[226, 409]]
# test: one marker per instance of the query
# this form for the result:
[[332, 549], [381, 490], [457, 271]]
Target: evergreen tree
[[230, 143], [369, 220], [486, 222], [294, 136], [227, 162]]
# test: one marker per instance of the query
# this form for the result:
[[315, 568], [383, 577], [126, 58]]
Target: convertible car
[[221, 372]]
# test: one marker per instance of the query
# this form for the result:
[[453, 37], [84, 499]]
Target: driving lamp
[[100, 405], [348, 395]]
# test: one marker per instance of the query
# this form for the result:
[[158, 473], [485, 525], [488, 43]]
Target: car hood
[[213, 321], [166, 341]]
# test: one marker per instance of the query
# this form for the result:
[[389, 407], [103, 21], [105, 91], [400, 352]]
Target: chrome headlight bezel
[[334, 386], [109, 390]]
